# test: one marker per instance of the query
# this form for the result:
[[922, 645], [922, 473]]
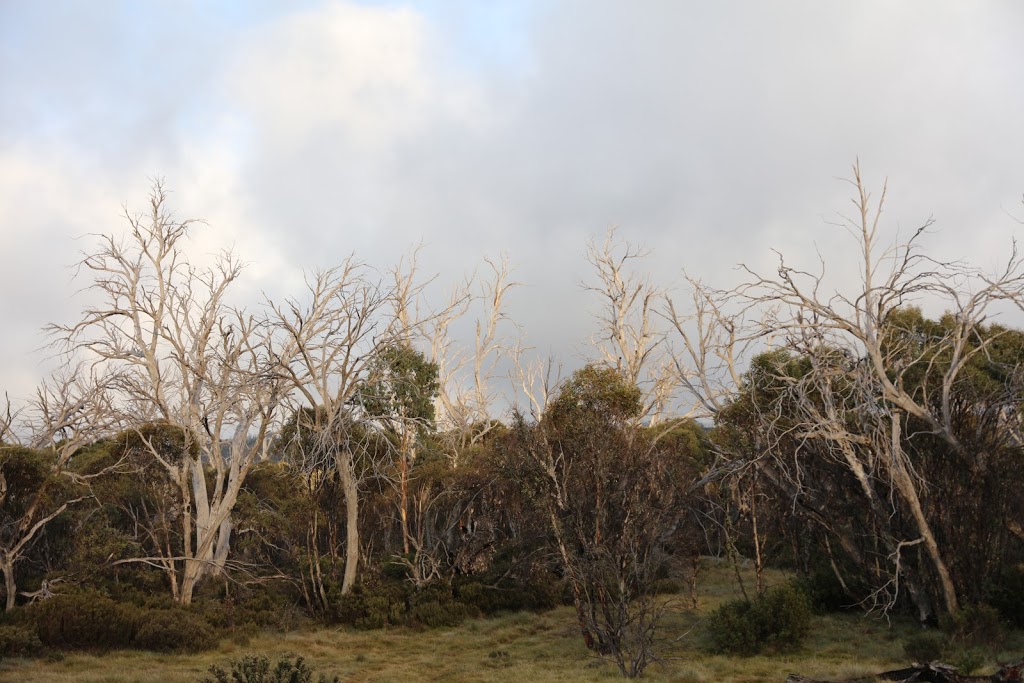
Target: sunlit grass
[[517, 647]]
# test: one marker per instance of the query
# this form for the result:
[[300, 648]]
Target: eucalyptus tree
[[69, 411], [616, 506], [180, 355], [873, 388], [336, 334], [630, 335]]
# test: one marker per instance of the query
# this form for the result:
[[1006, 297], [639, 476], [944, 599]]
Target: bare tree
[[629, 338], [181, 355], [466, 377], [869, 378], [69, 411], [713, 342], [336, 335]]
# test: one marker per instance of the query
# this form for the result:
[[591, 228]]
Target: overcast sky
[[711, 132]]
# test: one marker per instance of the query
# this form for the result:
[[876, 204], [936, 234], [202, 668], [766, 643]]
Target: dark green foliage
[[975, 626], [257, 669], [508, 596], [963, 641], [91, 620], [19, 641], [82, 620], [780, 619], [174, 630], [1006, 594], [926, 647], [403, 384], [380, 603], [433, 606], [26, 471], [732, 629], [265, 606], [825, 592], [371, 605], [437, 613]]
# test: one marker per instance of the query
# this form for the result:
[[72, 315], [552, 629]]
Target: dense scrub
[[335, 460]]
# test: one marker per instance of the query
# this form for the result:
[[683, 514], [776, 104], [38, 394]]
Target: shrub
[[19, 641], [975, 625], [780, 619], [371, 605], [434, 606], [82, 620], [256, 669], [783, 616], [968, 660], [732, 629], [507, 596], [175, 630], [266, 607], [926, 647], [1006, 594]]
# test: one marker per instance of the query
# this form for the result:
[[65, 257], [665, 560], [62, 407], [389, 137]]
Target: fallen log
[[936, 672]]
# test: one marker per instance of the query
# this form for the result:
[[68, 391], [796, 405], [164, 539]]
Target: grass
[[545, 648]]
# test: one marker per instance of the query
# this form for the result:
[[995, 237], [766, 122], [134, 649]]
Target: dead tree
[[629, 337], [69, 411], [467, 375], [855, 342], [181, 355], [336, 334]]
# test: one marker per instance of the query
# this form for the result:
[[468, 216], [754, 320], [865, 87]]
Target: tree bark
[[7, 569], [350, 489], [909, 494]]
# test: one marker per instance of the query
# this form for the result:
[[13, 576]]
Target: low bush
[[264, 607], [175, 630], [968, 660], [926, 647], [975, 626], [780, 619], [370, 605], [90, 620], [82, 620], [732, 629], [257, 669], [506, 596], [19, 641], [435, 606]]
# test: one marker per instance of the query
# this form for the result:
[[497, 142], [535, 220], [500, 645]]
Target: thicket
[[338, 461], [92, 621]]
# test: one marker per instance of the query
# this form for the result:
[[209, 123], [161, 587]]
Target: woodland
[[194, 471]]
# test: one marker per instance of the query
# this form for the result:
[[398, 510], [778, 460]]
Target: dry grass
[[515, 647]]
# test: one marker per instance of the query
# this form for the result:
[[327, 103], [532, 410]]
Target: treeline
[[339, 456]]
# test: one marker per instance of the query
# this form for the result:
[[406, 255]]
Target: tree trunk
[[348, 485], [7, 569], [909, 492], [925, 612], [190, 577]]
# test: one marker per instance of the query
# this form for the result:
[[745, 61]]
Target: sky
[[710, 132]]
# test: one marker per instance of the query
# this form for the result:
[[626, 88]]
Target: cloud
[[711, 132]]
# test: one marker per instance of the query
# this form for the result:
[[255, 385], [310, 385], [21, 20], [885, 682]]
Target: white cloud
[[708, 131]]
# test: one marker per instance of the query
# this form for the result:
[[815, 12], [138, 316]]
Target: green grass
[[517, 647]]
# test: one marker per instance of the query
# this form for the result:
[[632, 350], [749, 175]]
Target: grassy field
[[515, 647]]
